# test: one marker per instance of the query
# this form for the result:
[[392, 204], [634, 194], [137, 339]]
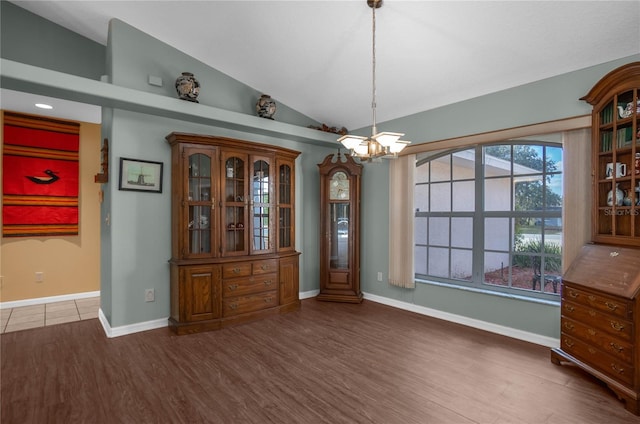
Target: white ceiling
[[315, 56]]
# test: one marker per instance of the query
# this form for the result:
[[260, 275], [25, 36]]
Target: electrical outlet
[[39, 277], [149, 295], [379, 276]]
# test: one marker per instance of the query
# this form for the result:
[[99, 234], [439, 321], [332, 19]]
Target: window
[[490, 217]]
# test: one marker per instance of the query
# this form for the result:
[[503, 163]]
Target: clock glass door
[[339, 227]]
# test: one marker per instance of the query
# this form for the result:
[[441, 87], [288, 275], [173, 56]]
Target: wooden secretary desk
[[600, 302]]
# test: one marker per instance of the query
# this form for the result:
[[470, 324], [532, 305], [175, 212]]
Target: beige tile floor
[[25, 317]]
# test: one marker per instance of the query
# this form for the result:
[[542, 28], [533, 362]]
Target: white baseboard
[[132, 328], [308, 294], [50, 299], [470, 322], [158, 323], [163, 322]]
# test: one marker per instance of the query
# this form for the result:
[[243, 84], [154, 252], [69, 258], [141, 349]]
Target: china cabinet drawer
[[608, 364], [610, 305], [620, 328], [236, 269], [265, 267], [250, 285], [598, 338], [243, 304]]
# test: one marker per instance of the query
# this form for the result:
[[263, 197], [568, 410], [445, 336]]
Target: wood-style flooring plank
[[327, 363]]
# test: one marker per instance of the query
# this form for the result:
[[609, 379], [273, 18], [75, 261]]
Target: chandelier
[[380, 144]]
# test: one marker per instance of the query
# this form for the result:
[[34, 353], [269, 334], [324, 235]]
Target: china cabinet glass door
[[234, 202], [285, 207], [200, 205], [261, 206]]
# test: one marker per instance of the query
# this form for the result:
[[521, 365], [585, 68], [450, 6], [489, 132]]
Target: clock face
[[339, 186]]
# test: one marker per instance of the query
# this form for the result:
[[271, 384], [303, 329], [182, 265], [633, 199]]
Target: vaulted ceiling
[[315, 56]]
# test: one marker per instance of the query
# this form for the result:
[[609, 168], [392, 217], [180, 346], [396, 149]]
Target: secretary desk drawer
[[601, 302], [599, 339], [618, 327], [255, 302], [249, 285], [609, 365]]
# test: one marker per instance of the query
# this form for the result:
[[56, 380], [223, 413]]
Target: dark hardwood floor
[[327, 363]]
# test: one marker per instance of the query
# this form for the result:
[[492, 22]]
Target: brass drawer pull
[[569, 308], [611, 306], [592, 332], [592, 312], [568, 326], [592, 351], [573, 294], [616, 347], [236, 270], [233, 306], [569, 343], [264, 267], [617, 326], [592, 298], [268, 282], [267, 299], [233, 287], [616, 369]]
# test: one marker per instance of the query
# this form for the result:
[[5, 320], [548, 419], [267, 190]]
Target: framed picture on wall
[[140, 175]]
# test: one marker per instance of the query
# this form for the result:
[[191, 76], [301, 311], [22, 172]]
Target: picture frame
[[140, 175]]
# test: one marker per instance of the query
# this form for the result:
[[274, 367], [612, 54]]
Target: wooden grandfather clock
[[340, 229]]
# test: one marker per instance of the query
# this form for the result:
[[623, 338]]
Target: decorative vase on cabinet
[[232, 260]]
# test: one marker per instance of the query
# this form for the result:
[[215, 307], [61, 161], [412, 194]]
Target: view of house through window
[[490, 216]]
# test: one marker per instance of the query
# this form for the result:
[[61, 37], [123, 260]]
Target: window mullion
[[478, 219]]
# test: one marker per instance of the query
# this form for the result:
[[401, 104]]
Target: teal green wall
[[541, 101], [135, 55], [29, 38]]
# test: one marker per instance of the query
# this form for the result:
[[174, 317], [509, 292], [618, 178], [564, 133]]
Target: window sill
[[491, 292]]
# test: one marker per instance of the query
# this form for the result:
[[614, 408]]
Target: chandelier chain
[[374, 130]]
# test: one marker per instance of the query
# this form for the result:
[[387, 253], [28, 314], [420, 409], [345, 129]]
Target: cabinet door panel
[[288, 274], [201, 293]]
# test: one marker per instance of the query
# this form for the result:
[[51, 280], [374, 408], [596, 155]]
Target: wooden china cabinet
[[340, 229], [233, 256], [600, 302]]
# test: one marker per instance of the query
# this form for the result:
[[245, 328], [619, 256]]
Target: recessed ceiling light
[[44, 106]]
